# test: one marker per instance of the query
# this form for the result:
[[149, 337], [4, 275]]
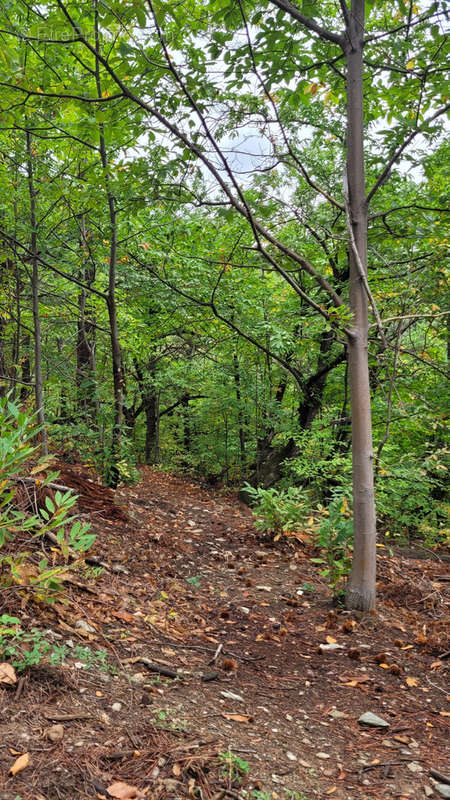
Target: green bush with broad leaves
[[19, 431], [278, 511], [334, 535]]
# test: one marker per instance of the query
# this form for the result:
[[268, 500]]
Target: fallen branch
[[153, 667], [438, 776]]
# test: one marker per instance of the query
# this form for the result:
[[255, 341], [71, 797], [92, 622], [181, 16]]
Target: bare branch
[[397, 153], [324, 33]]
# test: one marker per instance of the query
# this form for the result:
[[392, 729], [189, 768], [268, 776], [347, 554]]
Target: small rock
[[372, 720], [79, 744], [244, 609], [323, 755], [443, 789], [84, 626], [116, 707], [428, 791], [291, 756], [138, 677], [305, 764], [209, 676], [329, 648], [335, 714], [414, 766], [233, 696], [263, 588], [55, 733]]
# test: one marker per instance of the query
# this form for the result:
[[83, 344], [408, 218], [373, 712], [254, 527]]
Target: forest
[[224, 232]]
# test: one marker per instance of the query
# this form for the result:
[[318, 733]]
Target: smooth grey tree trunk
[[361, 586]]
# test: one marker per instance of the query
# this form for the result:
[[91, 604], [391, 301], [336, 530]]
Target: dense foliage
[[162, 166]]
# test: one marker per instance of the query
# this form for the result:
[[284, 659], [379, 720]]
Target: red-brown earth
[[205, 595]]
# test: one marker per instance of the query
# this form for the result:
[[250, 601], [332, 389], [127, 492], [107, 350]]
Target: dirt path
[[240, 621]]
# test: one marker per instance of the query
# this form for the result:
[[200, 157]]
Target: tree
[[288, 76]]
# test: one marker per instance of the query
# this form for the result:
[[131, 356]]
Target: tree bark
[[38, 379], [152, 428], [361, 585], [26, 369], [237, 385], [85, 371], [116, 351]]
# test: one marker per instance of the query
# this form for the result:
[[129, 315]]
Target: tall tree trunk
[[151, 402], [111, 302], [38, 380], [85, 370], [237, 385], [26, 368], [186, 423], [3, 368], [361, 585]]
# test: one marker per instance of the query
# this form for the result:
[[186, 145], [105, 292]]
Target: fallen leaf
[[123, 791], [176, 769], [124, 615], [20, 764], [237, 717], [444, 713], [332, 790], [412, 681], [402, 739], [331, 640], [7, 674]]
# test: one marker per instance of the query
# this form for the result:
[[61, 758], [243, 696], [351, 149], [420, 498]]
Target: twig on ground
[[216, 654]]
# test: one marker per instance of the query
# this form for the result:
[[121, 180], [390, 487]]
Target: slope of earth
[[205, 661]]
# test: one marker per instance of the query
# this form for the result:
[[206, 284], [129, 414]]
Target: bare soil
[[239, 621]]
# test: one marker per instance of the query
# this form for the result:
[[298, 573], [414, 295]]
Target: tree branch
[[324, 33], [397, 153], [241, 207]]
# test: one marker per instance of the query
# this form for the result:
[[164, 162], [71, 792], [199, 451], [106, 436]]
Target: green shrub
[[16, 447], [278, 511], [334, 536]]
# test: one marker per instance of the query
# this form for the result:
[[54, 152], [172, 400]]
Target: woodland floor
[[199, 576]]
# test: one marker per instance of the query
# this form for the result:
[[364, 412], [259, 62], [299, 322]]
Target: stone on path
[[443, 789], [372, 720]]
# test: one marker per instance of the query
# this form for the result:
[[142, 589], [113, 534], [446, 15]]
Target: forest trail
[[240, 620]]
